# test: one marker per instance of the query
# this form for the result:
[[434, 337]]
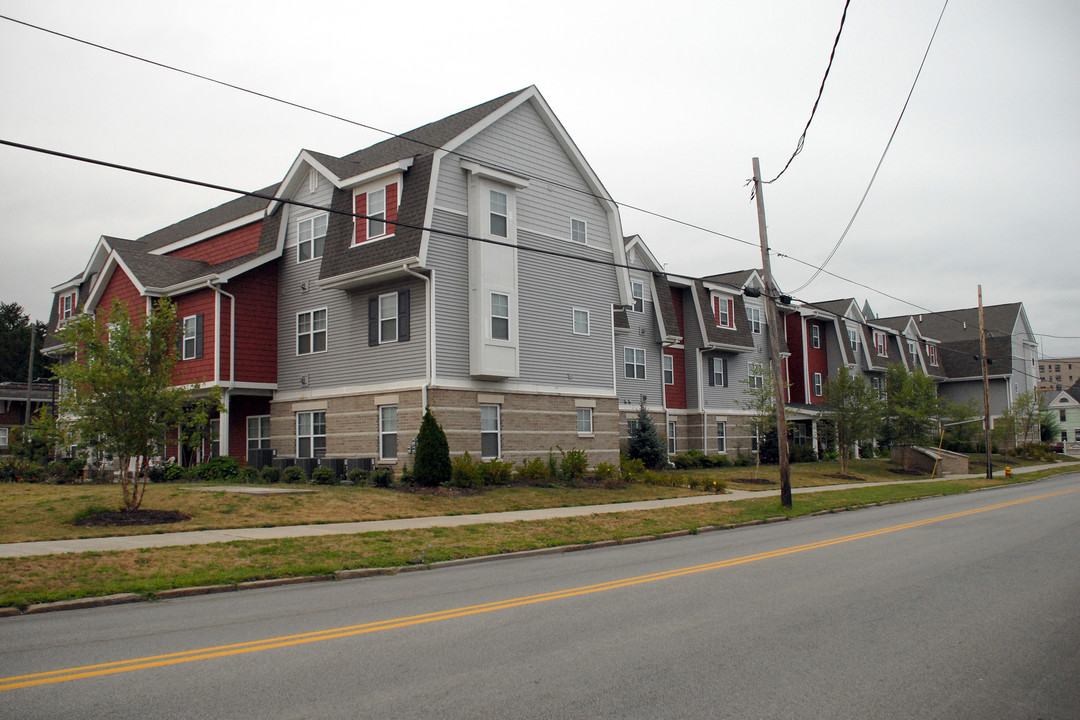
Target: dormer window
[[853, 339], [931, 354], [879, 343], [637, 290], [379, 210], [376, 212], [724, 309], [67, 306]]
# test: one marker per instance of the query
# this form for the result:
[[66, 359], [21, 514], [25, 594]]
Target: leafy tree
[[760, 401], [912, 406], [1028, 409], [15, 329], [432, 453], [122, 400], [645, 443], [960, 431], [855, 412]]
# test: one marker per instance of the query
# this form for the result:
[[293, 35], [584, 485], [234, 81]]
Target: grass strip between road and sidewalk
[[49, 578]]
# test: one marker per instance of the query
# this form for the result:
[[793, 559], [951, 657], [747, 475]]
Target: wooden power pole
[[772, 318], [986, 386]]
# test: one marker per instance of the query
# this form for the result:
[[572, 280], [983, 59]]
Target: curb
[[360, 573]]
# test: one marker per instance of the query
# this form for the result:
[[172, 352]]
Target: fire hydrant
[[1008, 471]]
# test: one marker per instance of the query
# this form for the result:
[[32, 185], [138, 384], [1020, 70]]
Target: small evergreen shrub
[[432, 461], [322, 476], [269, 475], [496, 472], [248, 474], [382, 477], [532, 470], [220, 469], [357, 476], [645, 442], [294, 474]]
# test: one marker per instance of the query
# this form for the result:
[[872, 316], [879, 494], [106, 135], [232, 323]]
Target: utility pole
[[29, 382], [772, 317], [986, 387]]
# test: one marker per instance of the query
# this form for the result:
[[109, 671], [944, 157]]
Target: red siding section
[[241, 407], [256, 293], [817, 361], [198, 370], [796, 362], [226, 246], [675, 395], [120, 287], [360, 208]]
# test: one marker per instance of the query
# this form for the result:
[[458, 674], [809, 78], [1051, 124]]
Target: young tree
[[121, 397], [855, 411], [1028, 409], [912, 406], [432, 461], [759, 399], [645, 442]]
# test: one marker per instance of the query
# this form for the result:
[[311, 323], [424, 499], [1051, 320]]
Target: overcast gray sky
[[668, 102]]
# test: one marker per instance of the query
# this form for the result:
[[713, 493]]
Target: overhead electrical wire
[[436, 147]]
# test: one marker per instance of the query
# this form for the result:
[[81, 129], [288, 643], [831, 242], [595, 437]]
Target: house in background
[[13, 407], [1065, 406]]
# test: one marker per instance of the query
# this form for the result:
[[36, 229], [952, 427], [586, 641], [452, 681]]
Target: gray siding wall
[[726, 399], [643, 335], [692, 341], [548, 287], [348, 360]]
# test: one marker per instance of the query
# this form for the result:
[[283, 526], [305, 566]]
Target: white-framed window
[[311, 434], [634, 363], [724, 309], [669, 369], [1061, 415], [311, 237], [311, 332], [490, 432], [879, 343], [584, 421], [631, 427], [672, 443], [498, 216], [388, 432], [817, 384], [755, 374], [718, 372], [637, 290], [913, 353], [853, 339], [67, 306], [190, 341], [388, 318], [578, 231], [215, 437], [581, 321], [500, 316], [878, 387], [815, 337], [376, 212], [4, 437], [258, 432], [753, 314], [755, 438], [721, 436]]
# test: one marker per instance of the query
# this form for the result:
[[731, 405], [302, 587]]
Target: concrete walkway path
[[206, 537]]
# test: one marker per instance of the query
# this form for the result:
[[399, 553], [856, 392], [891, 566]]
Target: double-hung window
[[672, 444], [376, 212], [755, 376], [815, 337], [388, 432], [500, 316], [634, 363], [388, 318], [584, 421], [669, 370], [311, 434], [724, 309], [577, 230], [753, 314], [310, 237], [490, 432], [581, 322], [913, 353], [721, 437], [499, 217], [637, 290], [817, 384], [853, 339], [191, 341], [67, 306], [879, 343], [931, 354], [718, 372], [258, 432], [311, 332]]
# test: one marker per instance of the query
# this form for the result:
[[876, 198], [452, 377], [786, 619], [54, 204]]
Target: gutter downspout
[[429, 315]]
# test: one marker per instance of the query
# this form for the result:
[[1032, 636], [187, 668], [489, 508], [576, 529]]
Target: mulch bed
[[753, 481], [113, 518]]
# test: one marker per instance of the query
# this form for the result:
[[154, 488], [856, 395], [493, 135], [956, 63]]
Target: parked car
[[1058, 447]]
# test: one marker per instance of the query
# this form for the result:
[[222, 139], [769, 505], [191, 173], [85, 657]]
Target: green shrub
[[22, 471], [465, 472], [322, 476], [294, 474], [496, 472], [535, 469], [220, 469], [248, 474], [632, 469], [269, 475], [574, 464], [357, 476], [645, 442], [719, 460], [171, 472], [690, 459], [432, 460], [382, 477]]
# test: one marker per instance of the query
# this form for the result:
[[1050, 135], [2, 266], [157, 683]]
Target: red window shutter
[[731, 317], [361, 224], [391, 207], [716, 310]]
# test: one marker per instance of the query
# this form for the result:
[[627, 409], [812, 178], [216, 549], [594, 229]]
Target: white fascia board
[[723, 289], [651, 263], [429, 207], [359, 277], [500, 176], [304, 158], [182, 288], [98, 288], [232, 225], [97, 259], [372, 175], [249, 265]]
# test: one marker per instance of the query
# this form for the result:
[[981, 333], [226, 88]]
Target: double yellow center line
[[155, 661]]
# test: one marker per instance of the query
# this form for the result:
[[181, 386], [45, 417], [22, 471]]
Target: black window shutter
[[712, 372], [724, 360], [373, 322], [403, 315], [198, 335]]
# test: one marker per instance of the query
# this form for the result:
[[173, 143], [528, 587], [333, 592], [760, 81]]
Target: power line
[[881, 160], [821, 91]]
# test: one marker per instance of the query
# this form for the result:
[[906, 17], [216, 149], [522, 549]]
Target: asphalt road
[[958, 607]]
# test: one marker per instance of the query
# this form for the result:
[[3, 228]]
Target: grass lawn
[[56, 577]]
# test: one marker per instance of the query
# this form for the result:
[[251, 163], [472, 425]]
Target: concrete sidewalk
[[206, 537]]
